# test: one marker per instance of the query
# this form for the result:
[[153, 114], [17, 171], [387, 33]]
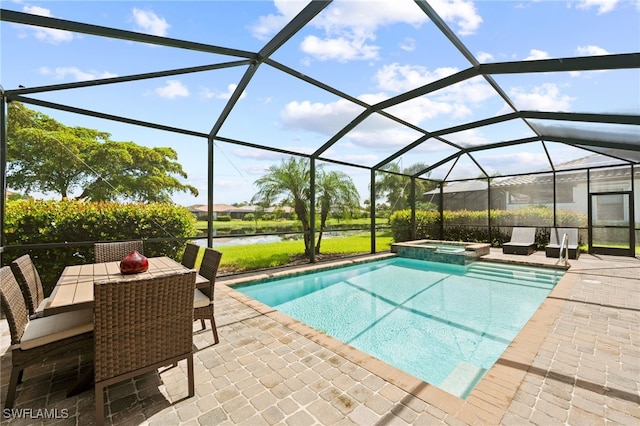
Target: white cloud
[[541, 98], [453, 100], [378, 136], [270, 24], [341, 49], [484, 57], [515, 162], [60, 73], [150, 23], [373, 98], [401, 78], [349, 27], [317, 117], [209, 94], [535, 54], [257, 154], [48, 35], [467, 138], [462, 13], [591, 50], [376, 132], [367, 159], [603, 6], [420, 109], [172, 89], [408, 44]]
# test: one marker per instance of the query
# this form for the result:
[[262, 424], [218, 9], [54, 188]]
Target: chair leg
[[214, 330], [202, 324], [11, 390], [20, 376], [99, 405], [190, 376]]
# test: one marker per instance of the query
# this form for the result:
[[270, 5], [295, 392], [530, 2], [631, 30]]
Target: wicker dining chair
[[203, 298], [29, 279], [32, 341], [111, 252], [141, 324], [190, 255]]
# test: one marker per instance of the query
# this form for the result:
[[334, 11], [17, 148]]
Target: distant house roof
[[202, 208], [462, 186], [541, 177]]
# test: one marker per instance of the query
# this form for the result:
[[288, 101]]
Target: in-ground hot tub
[[458, 253]]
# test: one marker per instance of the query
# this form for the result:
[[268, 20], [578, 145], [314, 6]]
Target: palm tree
[[334, 190], [290, 181], [396, 186]]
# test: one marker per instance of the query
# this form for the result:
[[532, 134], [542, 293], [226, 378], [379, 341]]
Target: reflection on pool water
[[445, 324]]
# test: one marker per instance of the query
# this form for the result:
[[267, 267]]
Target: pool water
[[445, 324], [442, 248]]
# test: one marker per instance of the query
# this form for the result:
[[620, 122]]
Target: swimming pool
[[445, 324]]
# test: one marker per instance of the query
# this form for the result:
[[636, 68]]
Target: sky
[[370, 50]]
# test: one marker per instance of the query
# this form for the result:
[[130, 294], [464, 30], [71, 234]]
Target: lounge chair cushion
[[523, 241], [42, 331], [556, 234], [200, 300]]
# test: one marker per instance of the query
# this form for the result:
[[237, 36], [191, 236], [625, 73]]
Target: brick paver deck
[[577, 361]]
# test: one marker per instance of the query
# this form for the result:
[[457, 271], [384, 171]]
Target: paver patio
[[577, 361]]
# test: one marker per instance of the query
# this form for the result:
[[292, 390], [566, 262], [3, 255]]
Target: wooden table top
[[74, 289]]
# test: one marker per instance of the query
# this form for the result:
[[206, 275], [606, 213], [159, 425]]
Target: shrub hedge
[[41, 222], [465, 225]]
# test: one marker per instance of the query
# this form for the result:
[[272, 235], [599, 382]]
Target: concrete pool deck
[[577, 361]]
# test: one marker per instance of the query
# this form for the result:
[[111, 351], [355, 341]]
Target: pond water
[[237, 241]]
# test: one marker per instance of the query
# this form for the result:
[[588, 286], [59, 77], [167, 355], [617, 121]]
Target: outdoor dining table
[[74, 289]]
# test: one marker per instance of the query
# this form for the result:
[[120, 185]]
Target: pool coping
[[490, 398]]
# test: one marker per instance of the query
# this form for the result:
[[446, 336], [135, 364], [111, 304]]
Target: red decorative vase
[[134, 263]]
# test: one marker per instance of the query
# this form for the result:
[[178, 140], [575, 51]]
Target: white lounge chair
[[523, 241]]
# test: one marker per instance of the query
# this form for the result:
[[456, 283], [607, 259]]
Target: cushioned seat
[[555, 237], [42, 331], [34, 340], [523, 241], [200, 300]]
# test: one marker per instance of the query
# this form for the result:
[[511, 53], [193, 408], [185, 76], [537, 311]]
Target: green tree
[[394, 184], [290, 183], [335, 193], [76, 162]]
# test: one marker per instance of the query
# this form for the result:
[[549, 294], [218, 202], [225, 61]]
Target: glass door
[[611, 223]]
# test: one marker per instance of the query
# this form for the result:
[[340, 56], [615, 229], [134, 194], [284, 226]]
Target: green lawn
[[257, 256]]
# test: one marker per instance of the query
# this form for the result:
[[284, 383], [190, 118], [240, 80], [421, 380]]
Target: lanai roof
[[402, 115]]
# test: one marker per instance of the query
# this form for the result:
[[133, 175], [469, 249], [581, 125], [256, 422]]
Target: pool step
[[514, 272], [462, 379]]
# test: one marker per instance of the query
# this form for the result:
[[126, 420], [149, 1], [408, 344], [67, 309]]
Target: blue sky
[[371, 50]]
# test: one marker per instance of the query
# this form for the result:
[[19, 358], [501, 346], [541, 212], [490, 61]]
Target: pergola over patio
[[604, 146]]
